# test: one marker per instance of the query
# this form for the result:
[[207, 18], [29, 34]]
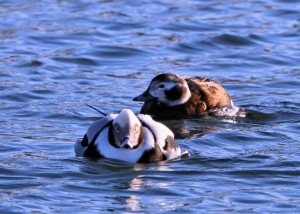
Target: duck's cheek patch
[[111, 138], [174, 93]]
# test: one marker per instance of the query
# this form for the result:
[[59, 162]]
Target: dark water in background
[[57, 55]]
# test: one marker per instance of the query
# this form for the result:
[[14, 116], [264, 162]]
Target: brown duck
[[170, 96]]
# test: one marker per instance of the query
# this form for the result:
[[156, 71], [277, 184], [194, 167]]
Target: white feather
[[98, 125], [91, 132], [129, 155], [161, 132]]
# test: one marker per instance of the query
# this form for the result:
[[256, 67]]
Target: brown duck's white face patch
[[158, 88], [127, 130]]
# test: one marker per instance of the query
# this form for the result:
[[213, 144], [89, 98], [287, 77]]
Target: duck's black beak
[[144, 96]]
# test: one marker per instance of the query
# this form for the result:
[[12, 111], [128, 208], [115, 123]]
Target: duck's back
[[209, 93]]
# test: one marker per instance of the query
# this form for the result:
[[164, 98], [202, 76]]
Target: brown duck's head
[[166, 88]]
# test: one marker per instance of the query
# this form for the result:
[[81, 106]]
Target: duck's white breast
[[129, 155]]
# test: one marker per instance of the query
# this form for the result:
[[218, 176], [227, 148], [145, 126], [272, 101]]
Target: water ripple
[[58, 55]]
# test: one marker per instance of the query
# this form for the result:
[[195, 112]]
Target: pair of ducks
[[140, 139]]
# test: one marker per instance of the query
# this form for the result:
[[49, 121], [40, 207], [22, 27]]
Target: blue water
[[55, 56]]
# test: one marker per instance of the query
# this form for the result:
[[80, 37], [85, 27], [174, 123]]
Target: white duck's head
[[166, 88], [127, 130]]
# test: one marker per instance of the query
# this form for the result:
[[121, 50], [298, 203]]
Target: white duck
[[127, 137]]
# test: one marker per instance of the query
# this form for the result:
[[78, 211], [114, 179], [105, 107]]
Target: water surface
[[55, 56]]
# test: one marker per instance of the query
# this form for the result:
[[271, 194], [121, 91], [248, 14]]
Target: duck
[[170, 96], [128, 137]]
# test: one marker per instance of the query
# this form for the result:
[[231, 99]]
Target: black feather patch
[[170, 143], [84, 142], [111, 138], [152, 155], [92, 152], [162, 77], [174, 93]]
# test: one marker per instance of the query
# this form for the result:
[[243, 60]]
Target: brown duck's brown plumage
[[206, 95], [210, 93]]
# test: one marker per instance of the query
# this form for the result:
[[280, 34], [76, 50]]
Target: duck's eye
[[135, 128], [117, 129], [161, 86]]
